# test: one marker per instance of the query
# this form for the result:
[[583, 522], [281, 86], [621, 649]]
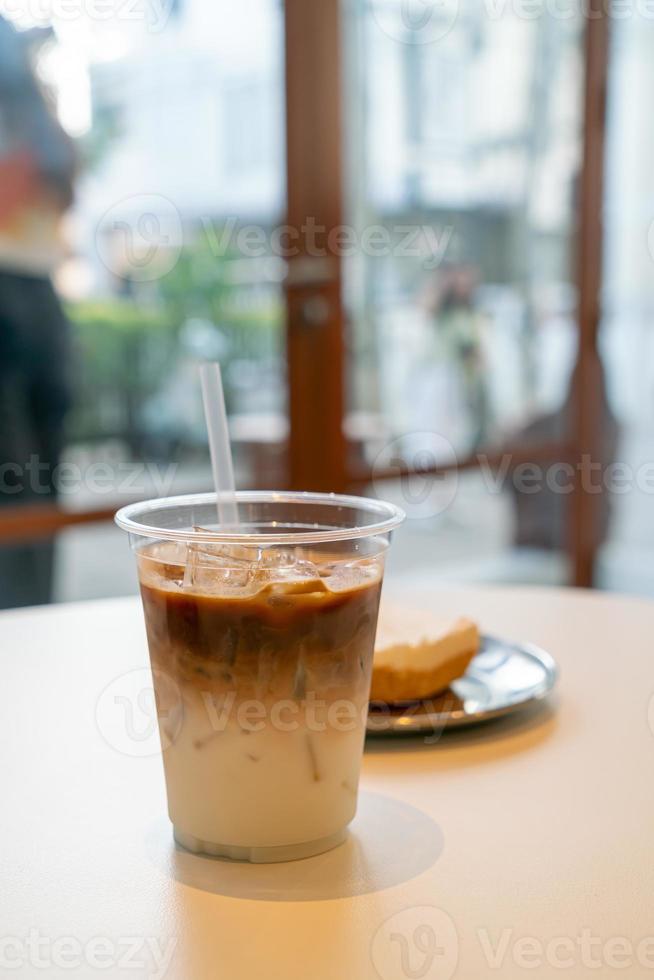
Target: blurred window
[[466, 133]]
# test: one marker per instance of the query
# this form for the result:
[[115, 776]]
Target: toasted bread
[[418, 654]]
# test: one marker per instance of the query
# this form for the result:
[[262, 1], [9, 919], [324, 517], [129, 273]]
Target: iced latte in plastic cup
[[261, 640]]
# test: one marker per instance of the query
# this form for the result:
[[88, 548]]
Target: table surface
[[521, 848]]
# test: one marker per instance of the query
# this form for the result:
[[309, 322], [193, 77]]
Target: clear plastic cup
[[261, 642]]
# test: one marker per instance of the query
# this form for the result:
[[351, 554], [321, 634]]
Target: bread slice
[[417, 654]]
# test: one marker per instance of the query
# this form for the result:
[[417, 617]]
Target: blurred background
[[418, 235]]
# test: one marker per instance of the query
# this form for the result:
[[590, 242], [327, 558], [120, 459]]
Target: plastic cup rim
[[390, 517]]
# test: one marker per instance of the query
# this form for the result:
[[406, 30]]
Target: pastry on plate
[[418, 654]]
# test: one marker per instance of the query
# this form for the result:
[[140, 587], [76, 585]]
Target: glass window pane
[[464, 131], [181, 133], [464, 134]]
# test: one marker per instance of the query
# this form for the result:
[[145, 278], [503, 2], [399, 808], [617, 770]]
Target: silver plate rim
[[413, 723]]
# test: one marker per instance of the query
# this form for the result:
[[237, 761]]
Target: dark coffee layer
[[282, 644]]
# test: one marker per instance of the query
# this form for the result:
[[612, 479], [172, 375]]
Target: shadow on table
[[497, 739], [390, 843]]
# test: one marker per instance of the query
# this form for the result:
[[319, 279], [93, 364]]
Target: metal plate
[[504, 677]]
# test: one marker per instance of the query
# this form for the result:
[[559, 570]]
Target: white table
[[527, 843]]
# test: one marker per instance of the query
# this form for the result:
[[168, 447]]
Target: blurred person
[[459, 328], [37, 165]]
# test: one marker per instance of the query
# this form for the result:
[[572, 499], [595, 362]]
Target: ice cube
[[220, 570], [162, 565], [287, 573], [233, 555], [346, 576], [278, 558], [280, 565]]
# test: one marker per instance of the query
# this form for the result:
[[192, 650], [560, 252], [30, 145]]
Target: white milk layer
[[267, 788]]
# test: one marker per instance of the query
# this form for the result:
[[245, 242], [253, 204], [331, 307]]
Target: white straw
[[221, 453]]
